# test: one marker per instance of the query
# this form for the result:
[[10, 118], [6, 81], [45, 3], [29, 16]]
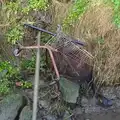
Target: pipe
[[40, 29], [36, 82], [53, 34], [50, 49]]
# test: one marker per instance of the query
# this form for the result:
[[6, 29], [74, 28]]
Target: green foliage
[[28, 64], [24, 84], [16, 7], [100, 41], [38, 4], [116, 12], [12, 12], [35, 5], [15, 34], [4, 86], [7, 71], [31, 64], [11, 71], [15, 16], [79, 7], [13, 7]]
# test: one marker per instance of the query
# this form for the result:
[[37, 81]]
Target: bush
[[8, 75]]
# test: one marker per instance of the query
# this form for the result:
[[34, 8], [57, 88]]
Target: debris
[[43, 104], [67, 116], [104, 102], [72, 60]]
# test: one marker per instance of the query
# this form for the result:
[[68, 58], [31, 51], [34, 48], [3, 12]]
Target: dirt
[[89, 110]]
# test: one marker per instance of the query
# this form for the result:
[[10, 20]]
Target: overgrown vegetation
[[116, 12], [8, 75], [91, 20], [78, 8], [97, 23], [38, 5], [30, 64], [14, 34], [14, 16]]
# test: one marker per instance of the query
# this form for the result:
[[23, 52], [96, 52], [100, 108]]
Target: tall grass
[[96, 27]]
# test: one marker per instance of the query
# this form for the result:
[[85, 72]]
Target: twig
[[4, 25]]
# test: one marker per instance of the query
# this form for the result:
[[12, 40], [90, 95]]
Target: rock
[[117, 103], [93, 101], [29, 93], [88, 102], [95, 112], [26, 113], [43, 104], [84, 101], [109, 92], [78, 111], [67, 116], [49, 117], [92, 109], [108, 115], [117, 92], [10, 106]]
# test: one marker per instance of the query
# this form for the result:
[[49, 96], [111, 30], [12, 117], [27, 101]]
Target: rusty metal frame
[[50, 50]]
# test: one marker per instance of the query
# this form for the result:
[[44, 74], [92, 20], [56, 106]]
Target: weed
[[38, 5], [29, 65], [15, 34], [24, 84], [35, 5], [15, 14], [4, 86], [77, 10], [116, 17], [8, 74], [100, 41]]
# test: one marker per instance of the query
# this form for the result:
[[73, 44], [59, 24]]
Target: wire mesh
[[72, 60]]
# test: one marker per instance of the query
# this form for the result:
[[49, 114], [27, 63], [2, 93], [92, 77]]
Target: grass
[[107, 59], [98, 28]]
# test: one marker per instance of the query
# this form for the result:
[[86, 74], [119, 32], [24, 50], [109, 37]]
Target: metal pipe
[[49, 48], [40, 29], [36, 83], [53, 34]]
